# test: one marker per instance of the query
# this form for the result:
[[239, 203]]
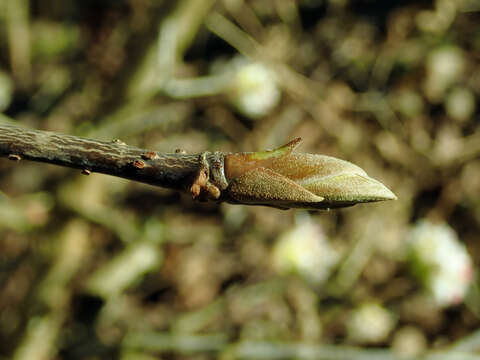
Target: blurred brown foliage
[[93, 267]]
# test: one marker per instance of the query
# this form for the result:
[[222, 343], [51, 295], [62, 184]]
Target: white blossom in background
[[305, 250], [369, 324], [253, 89], [460, 104], [445, 66], [440, 261]]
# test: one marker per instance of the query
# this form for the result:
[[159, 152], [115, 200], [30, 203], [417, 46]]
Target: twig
[[193, 173], [277, 178]]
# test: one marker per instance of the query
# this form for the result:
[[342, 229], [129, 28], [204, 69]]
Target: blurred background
[[94, 267]]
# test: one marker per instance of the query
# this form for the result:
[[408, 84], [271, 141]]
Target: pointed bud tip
[[374, 190], [349, 188], [387, 194]]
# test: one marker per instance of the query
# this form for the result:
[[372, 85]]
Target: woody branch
[[177, 171], [279, 178]]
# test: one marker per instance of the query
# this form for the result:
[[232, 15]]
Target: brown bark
[[200, 174]]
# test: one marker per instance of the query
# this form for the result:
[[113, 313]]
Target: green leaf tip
[[278, 152]]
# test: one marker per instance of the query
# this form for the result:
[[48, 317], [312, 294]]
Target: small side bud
[[118, 142], [14, 157], [149, 155], [138, 164]]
